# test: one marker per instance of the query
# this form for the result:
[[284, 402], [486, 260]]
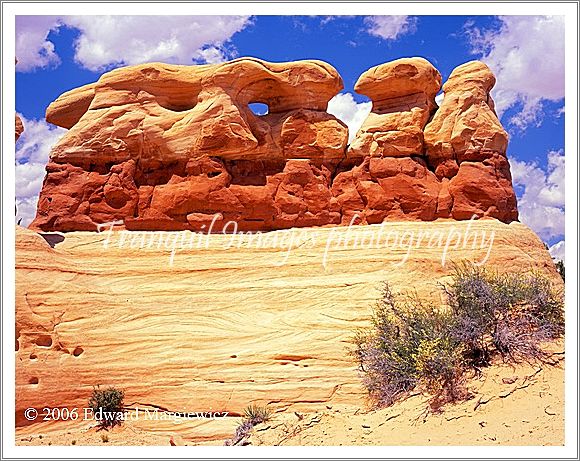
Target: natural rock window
[[259, 108]]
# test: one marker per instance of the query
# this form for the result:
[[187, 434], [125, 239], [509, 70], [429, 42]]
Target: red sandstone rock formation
[[454, 166], [403, 95], [167, 147], [18, 127], [393, 180], [466, 145]]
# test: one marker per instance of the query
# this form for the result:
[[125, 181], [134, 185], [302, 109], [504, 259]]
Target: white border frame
[[569, 10]]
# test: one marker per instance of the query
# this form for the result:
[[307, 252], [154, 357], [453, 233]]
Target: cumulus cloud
[[390, 27], [33, 49], [526, 53], [345, 108], [541, 204], [32, 150], [558, 251], [106, 41]]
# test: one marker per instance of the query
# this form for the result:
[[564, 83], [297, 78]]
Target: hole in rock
[[213, 174], [33, 356], [44, 341], [259, 108], [233, 356], [78, 351], [33, 380]]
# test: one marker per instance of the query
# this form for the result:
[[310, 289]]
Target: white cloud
[[211, 55], [558, 251], [390, 27], [32, 150], [106, 41], [345, 108], [526, 54], [33, 50], [541, 205]]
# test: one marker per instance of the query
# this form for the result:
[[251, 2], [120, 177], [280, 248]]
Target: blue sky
[[526, 53]]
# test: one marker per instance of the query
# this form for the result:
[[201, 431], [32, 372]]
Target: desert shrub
[[414, 345], [257, 414], [253, 415], [511, 314], [409, 345], [107, 406]]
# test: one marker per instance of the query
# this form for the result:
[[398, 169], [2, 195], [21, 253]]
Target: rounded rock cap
[[470, 74], [399, 78]]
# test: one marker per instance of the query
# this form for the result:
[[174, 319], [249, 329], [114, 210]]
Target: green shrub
[[107, 406], [416, 346], [409, 345]]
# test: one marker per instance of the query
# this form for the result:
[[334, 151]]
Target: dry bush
[[414, 345]]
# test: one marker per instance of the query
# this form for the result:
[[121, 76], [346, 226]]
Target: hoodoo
[[167, 147]]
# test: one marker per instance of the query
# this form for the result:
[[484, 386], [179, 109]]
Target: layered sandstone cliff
[[159, 146], [230, 322]]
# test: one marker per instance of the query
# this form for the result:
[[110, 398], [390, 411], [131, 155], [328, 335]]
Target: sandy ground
[[511, 405], [522, 405]]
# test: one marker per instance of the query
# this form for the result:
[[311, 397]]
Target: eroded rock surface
[[166, 147], [393, 180], [18, 127], [466, 145], [228, 323]]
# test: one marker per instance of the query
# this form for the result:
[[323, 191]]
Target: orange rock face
[[393, 181], [177, 147], [18, 127], [166, 147], [403, 95], [466, 144]]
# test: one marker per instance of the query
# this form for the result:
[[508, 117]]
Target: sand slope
[[522, 405]]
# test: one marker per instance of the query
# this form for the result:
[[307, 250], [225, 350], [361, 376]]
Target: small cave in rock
[[77, 351], [44, 341]]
